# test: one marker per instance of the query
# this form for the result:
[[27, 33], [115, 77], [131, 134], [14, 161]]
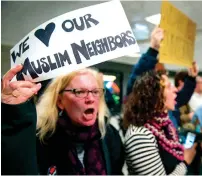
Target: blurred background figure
[[196, 99], [186, 114], [197, 119]]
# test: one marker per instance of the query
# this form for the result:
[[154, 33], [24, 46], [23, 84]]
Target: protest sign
[[177, 46], [74, 40]]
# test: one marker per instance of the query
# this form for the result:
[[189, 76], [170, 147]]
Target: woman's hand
[[17, 92], [156, 38], [193, 71], [190, 153]]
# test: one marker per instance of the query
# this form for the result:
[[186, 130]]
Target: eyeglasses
[[82, 93]]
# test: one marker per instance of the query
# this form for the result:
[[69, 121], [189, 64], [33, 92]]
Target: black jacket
[[21, 156]]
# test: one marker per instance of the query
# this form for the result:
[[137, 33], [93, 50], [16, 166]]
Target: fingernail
[[39, 85]]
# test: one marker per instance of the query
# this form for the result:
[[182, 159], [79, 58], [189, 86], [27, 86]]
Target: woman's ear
[[59, 102]]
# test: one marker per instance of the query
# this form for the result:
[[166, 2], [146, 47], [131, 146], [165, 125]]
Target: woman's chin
[[90, 123], [88, 120], [171, 108]]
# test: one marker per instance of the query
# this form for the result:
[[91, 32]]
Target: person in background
[[151, 142], [196, 99], [197, 119], [148, 61], [185, 91], [183, 79], [72, 134], [186, 117], [196, 165]]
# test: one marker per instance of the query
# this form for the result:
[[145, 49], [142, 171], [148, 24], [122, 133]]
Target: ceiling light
[[140, 27], [134, 55], [109, 78], [141, 31], [154, 19]]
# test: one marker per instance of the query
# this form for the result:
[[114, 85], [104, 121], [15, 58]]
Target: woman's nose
[[90, 97]]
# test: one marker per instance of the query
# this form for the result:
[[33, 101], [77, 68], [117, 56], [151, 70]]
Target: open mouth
[[89, 111]]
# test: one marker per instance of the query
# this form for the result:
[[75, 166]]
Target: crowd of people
[[67, 131]]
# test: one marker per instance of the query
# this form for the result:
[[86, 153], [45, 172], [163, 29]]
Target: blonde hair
[[47, 110]]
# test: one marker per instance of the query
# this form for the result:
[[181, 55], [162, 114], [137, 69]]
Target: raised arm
[[148, 60], [18, 125], [185, 94]]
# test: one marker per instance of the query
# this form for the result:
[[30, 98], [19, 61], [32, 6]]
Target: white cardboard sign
[[74, 40]]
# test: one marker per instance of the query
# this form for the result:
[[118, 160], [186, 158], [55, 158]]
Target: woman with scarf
[[151, 143], [72, 134]]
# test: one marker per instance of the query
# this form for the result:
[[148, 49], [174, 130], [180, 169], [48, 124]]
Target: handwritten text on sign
[[179, 36], [75, 40]]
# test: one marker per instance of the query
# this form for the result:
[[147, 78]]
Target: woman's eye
[[95, 92], [80, 92]]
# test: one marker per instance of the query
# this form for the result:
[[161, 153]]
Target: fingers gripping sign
[[17, 92], [193, 71], [156, 38]]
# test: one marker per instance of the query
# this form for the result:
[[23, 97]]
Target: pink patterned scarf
[[164, 131]]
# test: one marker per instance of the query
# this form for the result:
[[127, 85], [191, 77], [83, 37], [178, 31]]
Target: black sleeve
[[185, 94], [146, 62], [18, 138], [44, 156], [116, 150]]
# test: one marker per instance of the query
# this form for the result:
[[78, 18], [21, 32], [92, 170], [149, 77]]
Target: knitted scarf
[[94, 163], [164, 131]]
